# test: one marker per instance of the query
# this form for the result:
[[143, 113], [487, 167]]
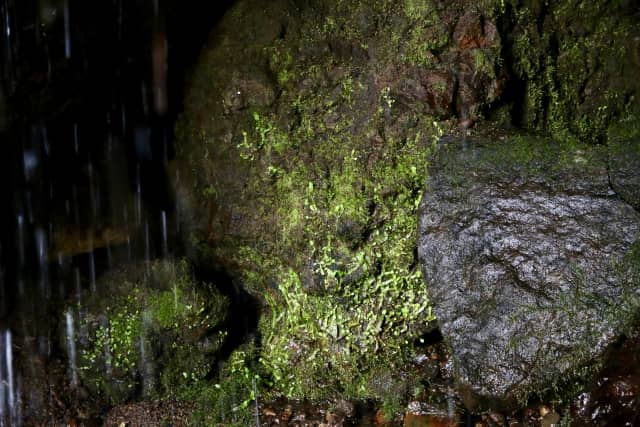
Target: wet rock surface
[[624, 168], [613, 397], [527, 253]]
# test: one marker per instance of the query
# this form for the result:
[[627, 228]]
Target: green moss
[[575, 66], [230, 399], [144, 336]]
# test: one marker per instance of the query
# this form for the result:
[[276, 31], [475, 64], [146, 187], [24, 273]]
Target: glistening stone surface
[[527, 254]]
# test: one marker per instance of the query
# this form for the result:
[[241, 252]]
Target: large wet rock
[[624, 161], [527, 253]]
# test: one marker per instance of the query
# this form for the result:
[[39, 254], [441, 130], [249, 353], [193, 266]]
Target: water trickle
[[30, 162], [75, 138], [45, 140], [71, 348], [20, 237], [163, 220], [178, 219], [43, 260], [67, 30], [147, 243], [106, 349], [138, 209], [8, 400], [92, 270], [3, 296], [77, 283]]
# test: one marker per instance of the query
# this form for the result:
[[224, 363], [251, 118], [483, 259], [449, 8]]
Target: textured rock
[[624, 169], [525, 249]]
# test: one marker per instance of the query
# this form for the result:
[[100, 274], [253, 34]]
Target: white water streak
[[71, 348]]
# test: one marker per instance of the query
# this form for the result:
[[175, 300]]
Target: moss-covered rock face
[[303, 152], [573, 64], [305, 141], [149, 332]]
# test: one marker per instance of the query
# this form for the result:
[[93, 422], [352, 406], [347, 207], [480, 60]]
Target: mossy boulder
[[148, 331], [301, 161]]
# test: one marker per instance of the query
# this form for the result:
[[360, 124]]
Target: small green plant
[[231, 400]]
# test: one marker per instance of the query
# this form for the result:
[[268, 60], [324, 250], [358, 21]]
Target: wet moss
[[308, 197], [321, 206], [149, 333], [571, 59]]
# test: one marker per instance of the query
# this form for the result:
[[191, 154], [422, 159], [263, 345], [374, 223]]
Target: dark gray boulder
[[529, 257], [624, 168]]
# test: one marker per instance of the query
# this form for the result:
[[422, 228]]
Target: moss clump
[[149, 334], [230, 400], [572, 64], [314, 207]]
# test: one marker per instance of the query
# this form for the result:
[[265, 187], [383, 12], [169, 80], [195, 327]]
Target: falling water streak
[[92, 193], [20, 231], [67, 30], [147, 245], [2, 385], [138, 208], [10, 394], [177, 207], [76, 282], [125, 217], [75, 138], [143, 367], [123, 118], [3, 298], [45, 140], [71, 348], [43, 259], [8, 60], [165, 245], [92, 270], [107, 350]]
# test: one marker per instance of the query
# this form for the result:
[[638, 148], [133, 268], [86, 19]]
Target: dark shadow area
[[244, 309]]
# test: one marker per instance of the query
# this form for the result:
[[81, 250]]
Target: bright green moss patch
[[151, 333], [572, 59]]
